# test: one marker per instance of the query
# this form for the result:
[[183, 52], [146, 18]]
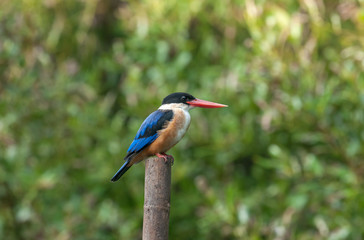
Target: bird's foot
[[170, 157], [165, 157], [161, 155]]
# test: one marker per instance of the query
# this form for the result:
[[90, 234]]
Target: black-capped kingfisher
[[163, 129]]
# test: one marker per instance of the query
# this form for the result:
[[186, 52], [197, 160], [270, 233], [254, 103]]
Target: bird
[[163, 129]]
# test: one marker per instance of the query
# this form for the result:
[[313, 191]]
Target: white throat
[[171, 106]]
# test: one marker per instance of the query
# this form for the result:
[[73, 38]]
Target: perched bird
[[163, 129]]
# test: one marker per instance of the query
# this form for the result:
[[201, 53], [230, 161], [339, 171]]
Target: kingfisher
[[163, 129]]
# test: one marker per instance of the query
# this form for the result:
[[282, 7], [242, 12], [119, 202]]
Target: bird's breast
[[183, 120], [172, 133]]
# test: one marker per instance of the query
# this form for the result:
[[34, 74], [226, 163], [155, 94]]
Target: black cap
[[178, 97]]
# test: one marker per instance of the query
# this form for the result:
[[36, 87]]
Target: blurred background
[[284, 161]]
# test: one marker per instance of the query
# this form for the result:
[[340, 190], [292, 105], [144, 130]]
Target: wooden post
[[157, 195]]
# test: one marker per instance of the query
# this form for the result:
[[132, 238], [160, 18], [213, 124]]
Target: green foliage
[[284, 161]]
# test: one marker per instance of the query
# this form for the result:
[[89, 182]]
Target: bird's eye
[[183, 98]]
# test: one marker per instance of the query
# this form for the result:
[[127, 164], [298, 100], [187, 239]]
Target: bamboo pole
[[157, 195]]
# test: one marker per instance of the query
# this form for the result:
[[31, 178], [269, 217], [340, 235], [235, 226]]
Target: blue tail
[[120, 172]]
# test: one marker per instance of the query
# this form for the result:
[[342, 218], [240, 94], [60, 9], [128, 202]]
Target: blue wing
[[148, 131]]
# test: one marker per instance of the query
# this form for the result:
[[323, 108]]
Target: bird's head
[[187, 101]]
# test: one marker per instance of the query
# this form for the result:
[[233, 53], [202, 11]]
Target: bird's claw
[[171, 158], [162, 156], [165, 157]]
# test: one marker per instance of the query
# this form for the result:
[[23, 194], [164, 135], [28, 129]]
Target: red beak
[[205, 104]]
